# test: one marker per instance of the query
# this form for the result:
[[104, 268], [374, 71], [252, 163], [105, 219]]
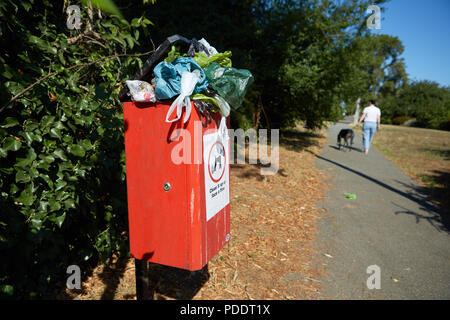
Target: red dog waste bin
[[178, 185]]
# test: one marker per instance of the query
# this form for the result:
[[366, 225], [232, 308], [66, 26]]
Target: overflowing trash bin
[[177, 149]]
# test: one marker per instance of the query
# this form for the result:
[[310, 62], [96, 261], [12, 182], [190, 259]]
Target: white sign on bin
[[217, 174]]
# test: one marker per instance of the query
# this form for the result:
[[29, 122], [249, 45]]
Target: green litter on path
[[351, 196]]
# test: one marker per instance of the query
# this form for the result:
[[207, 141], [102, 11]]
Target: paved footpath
[[389, 224]]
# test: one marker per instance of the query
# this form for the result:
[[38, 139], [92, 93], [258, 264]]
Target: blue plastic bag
[[168, 77]]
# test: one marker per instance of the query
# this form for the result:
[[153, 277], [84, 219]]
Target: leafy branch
[[82, 65]]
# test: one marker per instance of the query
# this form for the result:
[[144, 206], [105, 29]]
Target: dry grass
[[271, 251], [421, 153]]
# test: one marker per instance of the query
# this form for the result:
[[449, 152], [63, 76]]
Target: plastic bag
[[203, 107], [223, 106], [204, 97], [211, 50], [141, 91], [230, 83], [168, 77], [173, 54], [214, 100], [350, 196], [221, 58], [188, 83], [195, 47]]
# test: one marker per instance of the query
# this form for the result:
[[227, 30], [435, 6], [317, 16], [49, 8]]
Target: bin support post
[[142, 287]]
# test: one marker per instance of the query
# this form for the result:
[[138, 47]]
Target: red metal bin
[[169, 221]]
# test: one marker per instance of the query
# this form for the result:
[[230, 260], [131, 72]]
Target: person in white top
[[371, 116]]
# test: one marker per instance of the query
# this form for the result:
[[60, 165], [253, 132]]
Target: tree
[[378, 70]]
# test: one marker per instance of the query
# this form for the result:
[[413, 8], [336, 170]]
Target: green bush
[[62, 166], [400, 120], [426, 101]]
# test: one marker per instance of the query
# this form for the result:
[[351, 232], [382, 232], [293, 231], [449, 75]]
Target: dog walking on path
[[347, 135]]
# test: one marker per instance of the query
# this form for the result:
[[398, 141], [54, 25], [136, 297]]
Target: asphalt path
[[390, 225]]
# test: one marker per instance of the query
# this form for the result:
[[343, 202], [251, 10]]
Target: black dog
[[347, 135]]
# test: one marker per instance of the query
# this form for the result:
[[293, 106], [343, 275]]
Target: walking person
[[371, 116]]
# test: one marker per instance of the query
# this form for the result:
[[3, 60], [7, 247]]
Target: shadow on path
[[346, 149], [435, 219]]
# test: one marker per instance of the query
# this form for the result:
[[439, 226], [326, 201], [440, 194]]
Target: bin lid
[[146, 71]]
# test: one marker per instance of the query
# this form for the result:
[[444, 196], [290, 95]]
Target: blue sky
[[424, 29], [423, 26]]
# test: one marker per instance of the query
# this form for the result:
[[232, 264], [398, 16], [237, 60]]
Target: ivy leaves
[[10, 144], [62, 169]]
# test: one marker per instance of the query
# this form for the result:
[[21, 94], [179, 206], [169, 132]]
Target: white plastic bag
[[211, 50], [188, 82], [223, 105], [223, 130], [141, 91]]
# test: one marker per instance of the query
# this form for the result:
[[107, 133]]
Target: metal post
[[142, 288]]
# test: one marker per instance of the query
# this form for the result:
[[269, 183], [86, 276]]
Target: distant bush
[[426, 101], [400, 120]]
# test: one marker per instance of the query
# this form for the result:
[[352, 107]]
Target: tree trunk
[[356, 116], [257, 115]]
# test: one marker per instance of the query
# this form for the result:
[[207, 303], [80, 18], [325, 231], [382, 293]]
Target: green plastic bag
[[202, 59], [350, 196], [173, 54], [221, 58], [230, 83], [201, 96]]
